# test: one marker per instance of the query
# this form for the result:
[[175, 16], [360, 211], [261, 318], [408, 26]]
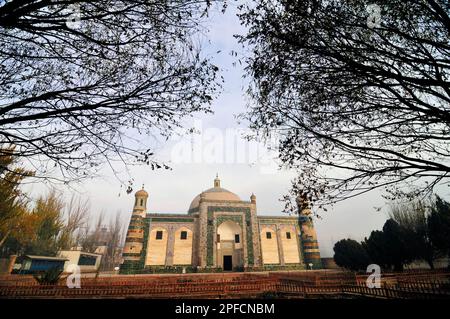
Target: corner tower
[[134, 241], [310, 245], [140, 202]]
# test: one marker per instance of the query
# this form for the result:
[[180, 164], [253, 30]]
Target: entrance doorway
[[228, 263]]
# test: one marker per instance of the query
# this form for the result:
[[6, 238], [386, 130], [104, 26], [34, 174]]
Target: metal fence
[[232, 285]]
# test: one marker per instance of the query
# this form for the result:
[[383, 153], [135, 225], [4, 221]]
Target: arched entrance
[[229, 246]]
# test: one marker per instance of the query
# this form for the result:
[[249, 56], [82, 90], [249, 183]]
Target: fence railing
[[214, 289], [232, 285]]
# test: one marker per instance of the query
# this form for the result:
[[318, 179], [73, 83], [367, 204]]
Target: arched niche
[[229, 245]]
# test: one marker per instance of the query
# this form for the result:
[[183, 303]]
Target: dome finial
[[217, 181], [141, 193]]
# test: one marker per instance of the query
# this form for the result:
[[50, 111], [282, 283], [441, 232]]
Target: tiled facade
[[220, 232]]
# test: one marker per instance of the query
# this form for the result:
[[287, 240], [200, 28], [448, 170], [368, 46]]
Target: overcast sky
[[242, 169]]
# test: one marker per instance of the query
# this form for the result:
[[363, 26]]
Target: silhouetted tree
[[91, 238], [413, 218], [114, 242], [439, 225], [377, 248], [88, 82], [75, 219], [350, 254], [398, 251], [361, 87]]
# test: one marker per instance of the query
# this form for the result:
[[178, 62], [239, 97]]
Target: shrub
[[49, 277]]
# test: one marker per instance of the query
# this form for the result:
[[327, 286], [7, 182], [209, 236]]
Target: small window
[[268, 235], [183, 235], [236, 239], [142, 202], [159, 234], [86, 260], [288, 235], [218, 238]]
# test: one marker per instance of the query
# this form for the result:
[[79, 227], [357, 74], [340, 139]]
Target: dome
[[215, 193], [141, 193]]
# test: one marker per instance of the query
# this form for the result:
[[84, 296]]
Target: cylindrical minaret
[[253, 199], [135, 235], [217, 181], [310, 245], [257, 260]]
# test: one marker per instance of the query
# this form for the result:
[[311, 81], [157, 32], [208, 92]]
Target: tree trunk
[[5, 237]]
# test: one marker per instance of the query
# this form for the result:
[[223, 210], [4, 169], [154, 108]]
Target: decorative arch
[[230, 248], [225, 218], [227, 230]]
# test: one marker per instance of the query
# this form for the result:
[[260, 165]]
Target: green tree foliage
[[48, 277], [23, 234], [49, 224], [350, 254], [359, 89], [12, 203]]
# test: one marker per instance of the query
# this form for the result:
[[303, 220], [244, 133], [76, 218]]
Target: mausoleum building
[[220, 232]]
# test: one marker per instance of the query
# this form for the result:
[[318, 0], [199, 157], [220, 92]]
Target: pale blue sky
[[172, 191]]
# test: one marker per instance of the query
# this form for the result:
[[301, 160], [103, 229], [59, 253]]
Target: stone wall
[[182, 253], [157, 248], [284, 247], [289, 244], [270, 253], [170, 250]]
